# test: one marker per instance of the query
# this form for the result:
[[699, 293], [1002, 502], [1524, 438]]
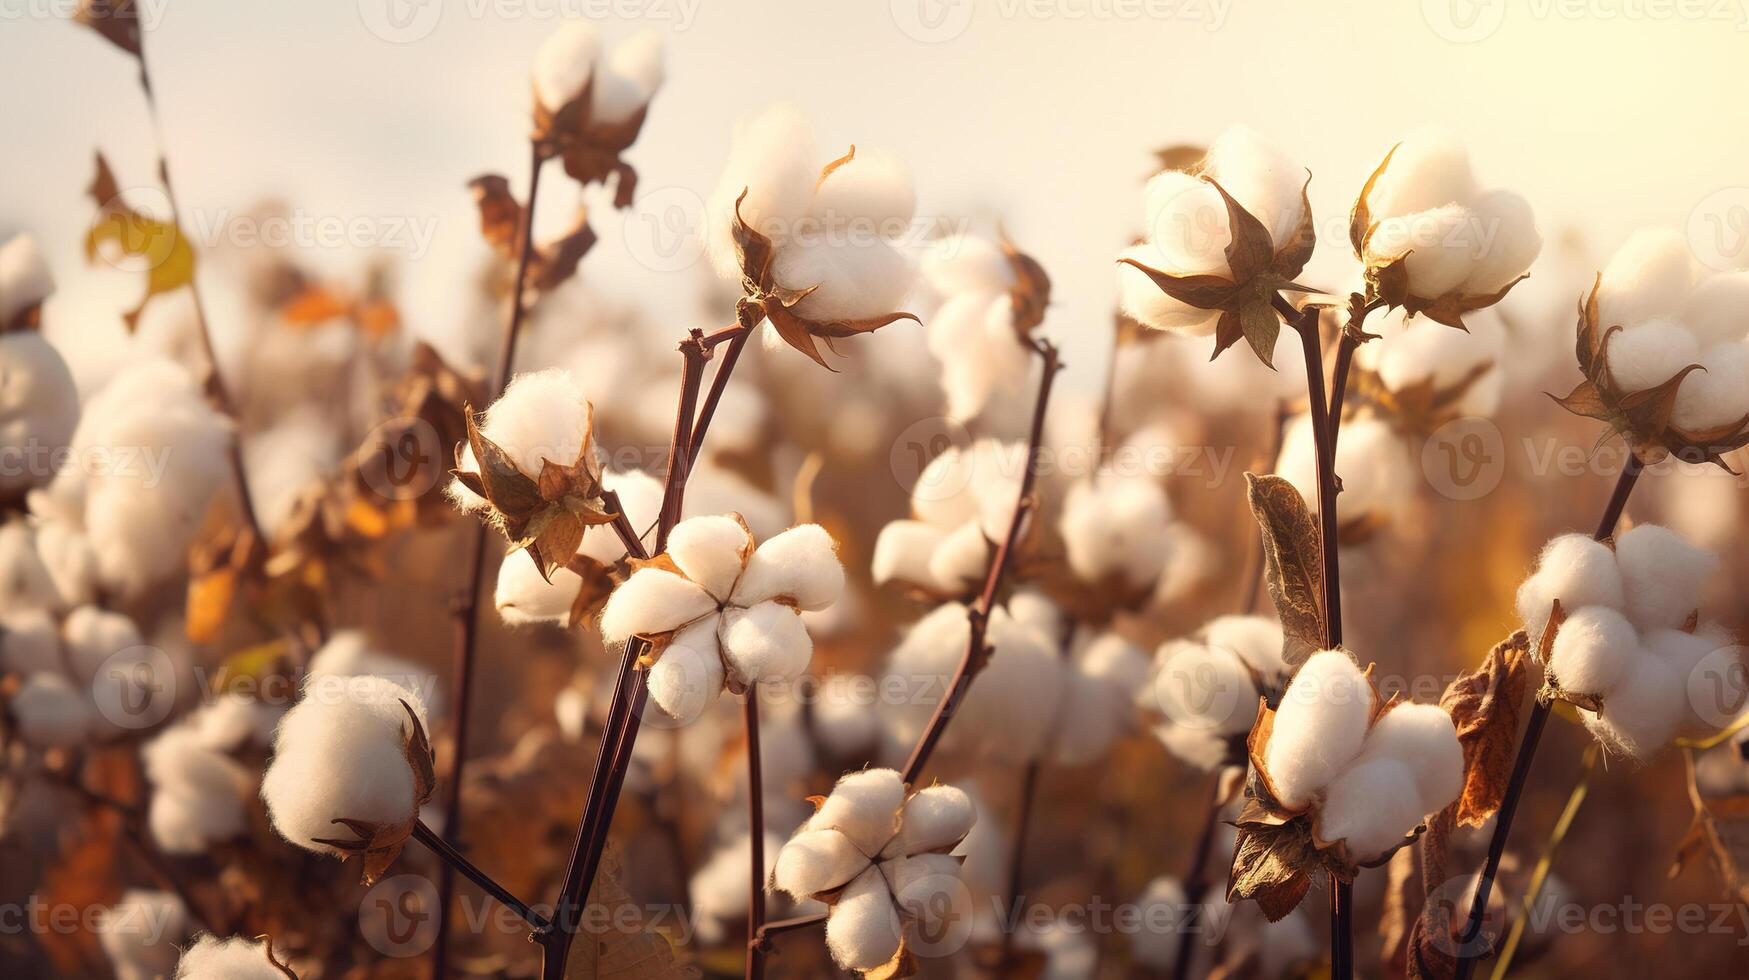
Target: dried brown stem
[[755, 836], [1196, 879], [453, 859]]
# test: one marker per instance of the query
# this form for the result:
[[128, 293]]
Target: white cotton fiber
[[1428, 169], [231, 720], [864, 806], [140, 934], [565, 62], [1717, 396], [543, 415], [522, 596], [1163, 912], [1114, 527], [25, 582], [966, 264], [1508, 241], [50, 712], [235, 958], [1186, 225], [815, 861], [1261, 177], [1650, 354], [1372, 460], [1018, 693], [1439, 247], [39, 407], [1594, 651], [903, 552], [851, 279], [870, 195], [934, 819], [70, 561], [1147, 304], [689, 675], [1718, 309], [719, 887], [799, 565], [1319, 727], [764, 643], [711, 551], [1203, 687], [25, 279], [962, 560], [179, 761], [1575, 569], [1371, 806], [93, 636], [1257, 641], [29, 643], [1422, 737], [1650, 275], [1663, 576], [772, 158], [925, 886], [863, 930], [641, 496], [653, 601], [1644, 711], [348, 653], [628, 78]]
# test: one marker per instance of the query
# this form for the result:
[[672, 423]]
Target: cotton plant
[[1378, 475], [200, 790], [879, 856], [1664, 348], [523, 595], [142, 934], [722, 613], [814, 241], [992, 297], [351, 768], [84, 678], [349, 653], [589, 106], [1620, 624], [1118, 537], [961, 503], [39, 404], [157, 454], [1204, 689], [235, 958], [1420, 378], [1432, 239]]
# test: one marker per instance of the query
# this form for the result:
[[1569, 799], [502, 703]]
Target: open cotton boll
[[653, 601], [966, 264], [765, 643], [282, 462], [1257, 641], [1114, 527], [522, 596], [863, 929], [1202, 687], [188, 823], [1718, 309], [1320, 726], [815, 861], [871, 195], [1422, 737], [25, 278], [543, 415], [1262, 178], [689, 675], [1428, 169], [772, 158], [1644, 711], [1146, 303], [924, 886], [1663, 576], [1439, 247], [1163, 901], [711, 551], [1717, 396], [864, 806], [1018, 692], [50, 712], [235, 958], [39, 405], [1594, 651], [1507, 241], [94, 635], [903, 552], [628, 78], [1372, 807], [1650, 354], [1575, 569], [29, 642], [852, 279], [233, 720], [801, 564], [142, 932], [565, 62], [1649, 276], [1186, 224], [934, 818], [961, 560], [180, 761]]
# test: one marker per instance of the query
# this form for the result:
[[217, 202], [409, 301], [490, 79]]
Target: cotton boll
[[688, 677], [711, 551], [1009, 708], [25, 279], [1717, 396], [1718, 309], [1037, 612], [766, 642], [852, 279], [1575, 569], [962, 559], [864, 806], [235, 958], [1650, 354], [1163, 901], [1146, 303], [1187, 226], [39, 406], [348, 653], [141, 932], [1439, 247], [1375, 469], [1428, 169], [1371, 806], [903, 552], [50, 712], [933, 819], [868, 196], [522, 596], [25, 582], [1422, 737], [543, 415], [1508, 242], [1649, 276], [1320, 726], [1644, 711], [815, 861], [94, 635], [942, 495], [178, 761], [29, 643], [925, 887], [628, 79], [186, 824], [1594, 651], [1663, 576], [800, 564], [772, 159], [966, 264], [1256, 640], [565, 62], [1261, 178], [1201, 687], [1113, 527], [863, 930], [653, 601]]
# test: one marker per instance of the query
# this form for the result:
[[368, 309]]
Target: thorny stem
[[453, 859], [1540, 875], [217, 394], [979, 616], [1196, 880], [465, 607], [1471, 941], [755, 836]]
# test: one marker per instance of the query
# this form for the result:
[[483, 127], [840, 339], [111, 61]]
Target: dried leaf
[[612, 940], [117, 20], [1294, 565], [1720, 830], [160, 246], [1360, 224], [1485, 705]]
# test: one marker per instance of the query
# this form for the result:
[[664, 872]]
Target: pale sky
[[1606, 114]]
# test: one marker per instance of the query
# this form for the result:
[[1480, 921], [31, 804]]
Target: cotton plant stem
[[1341, 927], [452, 858], [1196, 879], [465, 608], [1540, 876], [1017, 866], [755, 836], [1470, 942]]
